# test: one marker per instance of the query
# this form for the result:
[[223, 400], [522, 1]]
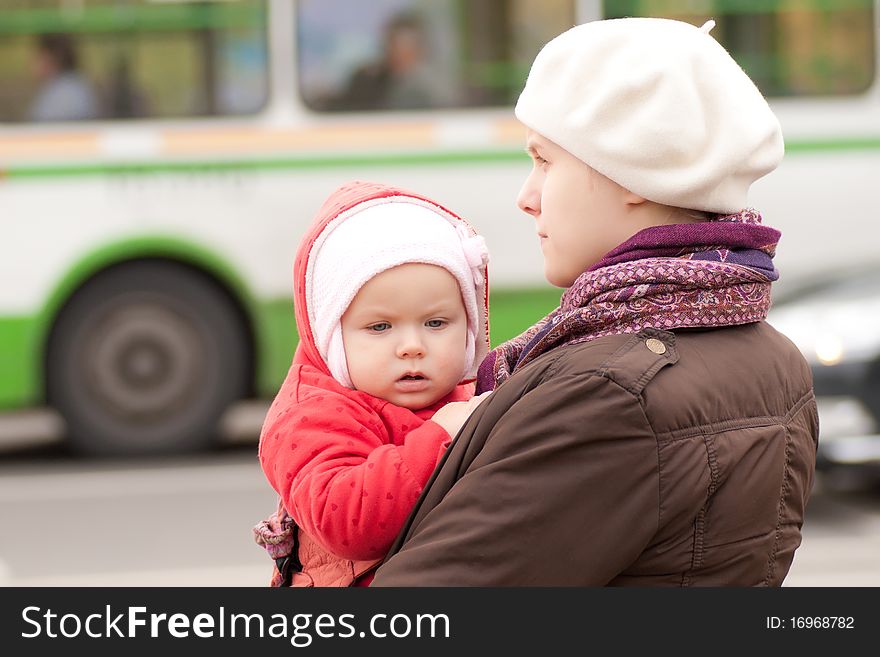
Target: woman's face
[[579, 214]]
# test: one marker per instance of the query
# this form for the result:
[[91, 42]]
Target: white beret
[[656, 105]]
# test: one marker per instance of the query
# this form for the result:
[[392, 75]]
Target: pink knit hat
[[380, 234]]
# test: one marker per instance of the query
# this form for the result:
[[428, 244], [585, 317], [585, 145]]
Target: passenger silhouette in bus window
[[65, 94], [401, 79], [125, 100]]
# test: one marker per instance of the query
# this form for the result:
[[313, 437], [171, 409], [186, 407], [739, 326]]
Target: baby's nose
[[411, 346]]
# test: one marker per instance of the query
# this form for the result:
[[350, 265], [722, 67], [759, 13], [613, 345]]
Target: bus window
[[788, 47], [420, 54], [119, 59]]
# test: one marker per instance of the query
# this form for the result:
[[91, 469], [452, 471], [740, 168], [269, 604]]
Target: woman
[[653, 430]]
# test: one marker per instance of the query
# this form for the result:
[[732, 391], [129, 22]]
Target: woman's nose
[[529, 198]]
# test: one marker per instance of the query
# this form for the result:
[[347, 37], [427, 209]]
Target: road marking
[[171, 480], [35, 427], [30, 428], [243, 421], [5, 573], [251, 575]]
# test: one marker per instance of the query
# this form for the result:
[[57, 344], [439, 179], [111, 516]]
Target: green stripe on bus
[[512, 311], [721, 8], [134, 18], [19, 370], [843, 144], [279, 332], [181, 16], [397, 159], [389, 160]]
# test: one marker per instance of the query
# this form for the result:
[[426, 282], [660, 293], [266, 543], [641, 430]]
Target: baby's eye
[[379, 327], [435, 323]]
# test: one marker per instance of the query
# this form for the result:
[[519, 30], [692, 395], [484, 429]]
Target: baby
[[391, 300]]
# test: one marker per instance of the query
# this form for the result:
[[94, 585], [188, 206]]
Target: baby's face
[[405, 335]]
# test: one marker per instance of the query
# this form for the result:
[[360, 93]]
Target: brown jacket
[[608, 463]]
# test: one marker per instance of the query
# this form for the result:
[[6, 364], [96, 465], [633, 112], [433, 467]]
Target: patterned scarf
[[714, 273]]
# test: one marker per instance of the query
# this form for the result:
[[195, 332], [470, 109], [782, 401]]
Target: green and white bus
[[148, 234]]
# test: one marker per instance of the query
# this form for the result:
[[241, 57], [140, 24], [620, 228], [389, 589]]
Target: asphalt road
[[187, 522]]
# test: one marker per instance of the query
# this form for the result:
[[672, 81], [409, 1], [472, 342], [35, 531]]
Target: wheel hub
[[145, 360]]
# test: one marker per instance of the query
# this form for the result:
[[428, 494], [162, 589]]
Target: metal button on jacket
[[655, 345]]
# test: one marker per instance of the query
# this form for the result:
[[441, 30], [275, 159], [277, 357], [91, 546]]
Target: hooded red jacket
[[348, 466]]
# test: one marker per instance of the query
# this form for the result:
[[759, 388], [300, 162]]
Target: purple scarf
[[714, 273]]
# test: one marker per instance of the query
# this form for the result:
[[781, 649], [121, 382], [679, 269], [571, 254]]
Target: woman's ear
[[632, 199]]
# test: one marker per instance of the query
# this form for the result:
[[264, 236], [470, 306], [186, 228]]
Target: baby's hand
[[452, 416]]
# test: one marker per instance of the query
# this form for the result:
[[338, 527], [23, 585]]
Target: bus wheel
[[144, 359]]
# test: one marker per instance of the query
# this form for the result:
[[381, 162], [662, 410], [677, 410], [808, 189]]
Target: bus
[[159, 160]]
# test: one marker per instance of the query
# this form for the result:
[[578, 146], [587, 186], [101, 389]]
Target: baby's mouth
[[413, 382]]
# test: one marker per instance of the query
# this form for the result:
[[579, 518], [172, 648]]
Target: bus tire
[[144, 359]]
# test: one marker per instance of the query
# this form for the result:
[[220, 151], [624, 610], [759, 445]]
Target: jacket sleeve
[[341, 478], [564, 491]]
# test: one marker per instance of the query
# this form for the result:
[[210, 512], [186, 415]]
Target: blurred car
[[836, 324]]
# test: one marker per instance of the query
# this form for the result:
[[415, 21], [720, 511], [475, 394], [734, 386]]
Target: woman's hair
[[686, 213], [697, 215], [60, 49]]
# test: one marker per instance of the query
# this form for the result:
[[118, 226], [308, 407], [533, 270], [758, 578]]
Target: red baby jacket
[[348, 466]]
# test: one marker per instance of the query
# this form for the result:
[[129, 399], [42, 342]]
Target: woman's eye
[[435, 323], [379, 328]]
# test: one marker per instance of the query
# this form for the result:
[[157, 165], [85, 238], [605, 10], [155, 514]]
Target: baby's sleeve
[[341, 477]]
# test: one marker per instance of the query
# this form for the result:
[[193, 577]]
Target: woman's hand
[[452, 416]]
